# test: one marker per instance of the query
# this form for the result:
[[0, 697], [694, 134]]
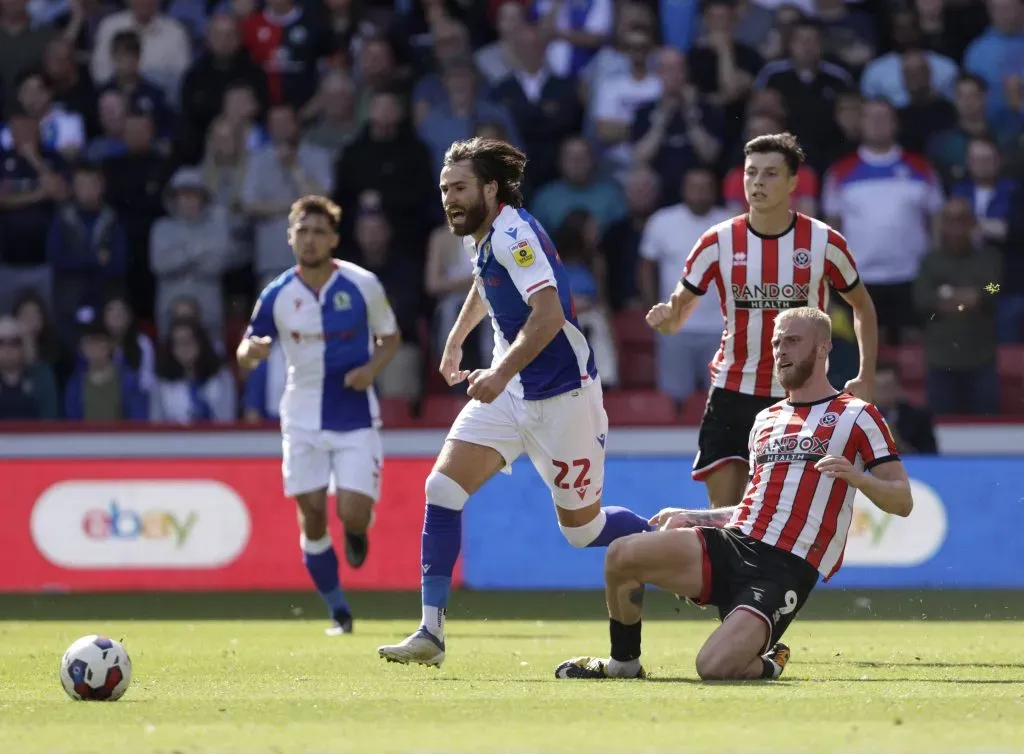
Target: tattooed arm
[[682, 518]]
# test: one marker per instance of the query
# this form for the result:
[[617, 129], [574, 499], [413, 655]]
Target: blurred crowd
[[149, 153]]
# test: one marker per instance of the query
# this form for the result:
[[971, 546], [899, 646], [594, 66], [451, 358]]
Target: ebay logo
[[117, 522]]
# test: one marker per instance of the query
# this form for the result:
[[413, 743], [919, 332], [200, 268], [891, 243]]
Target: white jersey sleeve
[[520, 252]]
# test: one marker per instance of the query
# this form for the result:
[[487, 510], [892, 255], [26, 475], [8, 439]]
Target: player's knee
[[313, 523], [584, 536], [718, 664], [355, 512], [445, 492], [622, 557]]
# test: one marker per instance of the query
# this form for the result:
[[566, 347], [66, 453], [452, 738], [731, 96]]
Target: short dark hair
[[314, 205], [972, 78], [88, 167], [492, 160], [785, 144], [126, 41]]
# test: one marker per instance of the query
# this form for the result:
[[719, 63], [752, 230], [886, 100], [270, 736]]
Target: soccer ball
[[95, 669]]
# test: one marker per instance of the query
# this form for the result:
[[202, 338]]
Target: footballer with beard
[[809, 455], [541, 395]]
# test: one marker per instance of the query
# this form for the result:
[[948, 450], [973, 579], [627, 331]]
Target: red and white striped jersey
[[789, 504], [757, 277]]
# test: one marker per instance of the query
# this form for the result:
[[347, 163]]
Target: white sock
[[433, 621], [620, 669]]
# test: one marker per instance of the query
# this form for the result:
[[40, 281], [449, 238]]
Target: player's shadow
[[867, 664]]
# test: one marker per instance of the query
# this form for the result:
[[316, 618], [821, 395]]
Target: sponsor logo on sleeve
[[522, 253]]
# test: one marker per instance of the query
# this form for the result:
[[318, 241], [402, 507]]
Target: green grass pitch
[[927, 673]]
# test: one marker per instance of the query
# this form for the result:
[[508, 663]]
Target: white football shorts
[[563, 436], [312, 460]]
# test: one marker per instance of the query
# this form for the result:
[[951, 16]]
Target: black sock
[[768, 671], [625, 640]]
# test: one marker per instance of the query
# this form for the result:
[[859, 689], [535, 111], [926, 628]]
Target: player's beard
[[307, 262], [796, 375], [472, 219]]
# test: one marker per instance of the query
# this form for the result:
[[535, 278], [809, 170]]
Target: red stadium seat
[[441, 410], [637, 358], [639, 408], [1010, 362], [396, 413], [631, 329], [693, 408]]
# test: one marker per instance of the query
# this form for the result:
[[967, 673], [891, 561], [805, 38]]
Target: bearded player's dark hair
[[492, 160]]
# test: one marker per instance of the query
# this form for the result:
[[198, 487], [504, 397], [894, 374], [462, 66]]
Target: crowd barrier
[[190, 519]]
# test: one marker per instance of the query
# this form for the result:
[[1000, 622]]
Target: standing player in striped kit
[[808, 456], [763, 263]]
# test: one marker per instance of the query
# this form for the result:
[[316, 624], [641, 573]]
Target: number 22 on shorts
[[583, 464]]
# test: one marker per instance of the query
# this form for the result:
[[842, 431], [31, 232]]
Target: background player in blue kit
[[541, 395], [337, 332]]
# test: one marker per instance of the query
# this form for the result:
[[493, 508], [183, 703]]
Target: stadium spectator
[[577, 242], [544, 107], [335, 125], [721, 67], [276, 176], [22, 46], [848, 114], [451, 46], [986, 191], [381, 255], [37, 322], [927, 112], [578, 188], [620, 244], [947, 28], [192, 383], [948, 149], [613, 59], [59, 130], [883, 77], [498, 60], [86, 245], [577, 31], [681, 130], [670, 235], [223, 168], [389, 159], [166, 48], [140, 93], [805, 196], [100, 389], [241, 109], [617, 99], [189, 250], [953, 292], [884, 201], [71, 86], [133, 350], [455, 118], [135, 184], [33, 181], [26, 390], [377, 72], [448, 275], [113, 113], [809, 86], [223, 63], [912, 426], [288, 43], [999, 52], [849, 33]]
